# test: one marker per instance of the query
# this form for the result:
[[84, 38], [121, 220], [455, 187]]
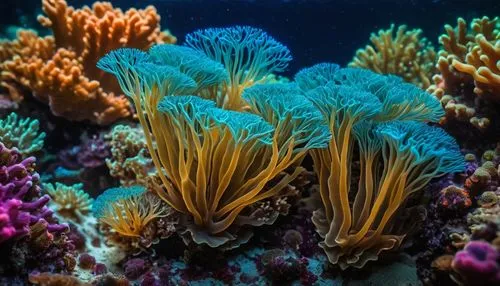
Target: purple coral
[[135, 268], [20, 203], [478, 263], [93, 153]]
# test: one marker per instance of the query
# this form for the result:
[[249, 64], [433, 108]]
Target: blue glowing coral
[[289, 111], [431, 145], [317, 75], [345, 102], [185, 106], [168, 80], [205, 71], [400, 101], [121, 63], [246, 52], [104, 201]]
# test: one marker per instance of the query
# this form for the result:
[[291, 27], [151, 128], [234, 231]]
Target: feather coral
[[127, 210], [250, 152], [397, 154], [248, 54]]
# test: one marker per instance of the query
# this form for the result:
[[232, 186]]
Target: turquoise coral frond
[[21, 133], [289, 111], [426, 143], [408, 102], [121, 63], [248, 53], [243, 126], [103, 202], [344, 101], [317, 75], [205, 71], [168, 80]]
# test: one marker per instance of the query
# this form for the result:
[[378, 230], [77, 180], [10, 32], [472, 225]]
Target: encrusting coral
[[398, 155], [464, 208], [469, 79], [130, 161], [250, 150], [477, 264], [402, 52], [70, 201], [21, 133], [61, 69]]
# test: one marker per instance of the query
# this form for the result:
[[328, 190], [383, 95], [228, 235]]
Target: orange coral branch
[[401, 52], [469, 65], [61, 71]]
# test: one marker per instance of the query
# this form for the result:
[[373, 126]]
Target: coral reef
[[235, 174], [64, 74], [447, 230], [468, 82], [400, 52], [22, 134]]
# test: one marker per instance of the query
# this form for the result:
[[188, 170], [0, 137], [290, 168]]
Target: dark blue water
[[314, 30]]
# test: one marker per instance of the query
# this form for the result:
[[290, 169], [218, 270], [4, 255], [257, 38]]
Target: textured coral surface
[[61, 70]]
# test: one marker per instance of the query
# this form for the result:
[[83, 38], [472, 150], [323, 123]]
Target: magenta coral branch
[[20, 203]]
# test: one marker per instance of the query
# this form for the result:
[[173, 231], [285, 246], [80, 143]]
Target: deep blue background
[[314, 30]]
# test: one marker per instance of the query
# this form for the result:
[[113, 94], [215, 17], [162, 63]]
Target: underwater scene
[[250, 142]]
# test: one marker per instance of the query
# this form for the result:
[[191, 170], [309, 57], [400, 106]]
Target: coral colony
[[222, 172]]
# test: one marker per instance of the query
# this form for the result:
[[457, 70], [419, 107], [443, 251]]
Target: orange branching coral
[[91, 33], [61, 84], [404, 53], [27, 45], [482, 64], [64, 75], [469, 76]]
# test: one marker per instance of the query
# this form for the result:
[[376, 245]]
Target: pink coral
[[478, 264], [21, 205]]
